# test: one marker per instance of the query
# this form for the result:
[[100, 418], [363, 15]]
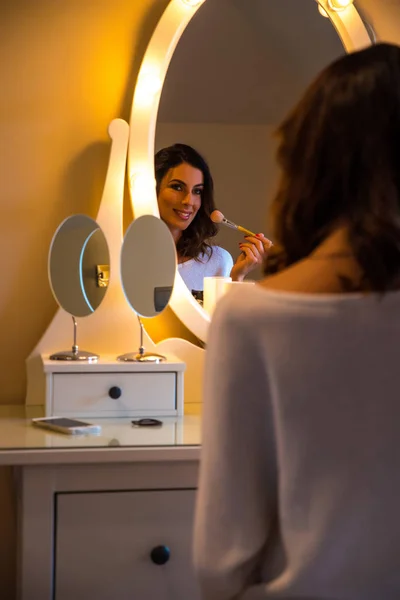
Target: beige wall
[[66, 70]]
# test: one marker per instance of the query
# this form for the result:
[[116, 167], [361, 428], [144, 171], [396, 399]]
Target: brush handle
[[233, 225], [246, 231]]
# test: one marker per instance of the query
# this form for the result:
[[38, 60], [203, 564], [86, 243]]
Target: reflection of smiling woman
[[185, 192]]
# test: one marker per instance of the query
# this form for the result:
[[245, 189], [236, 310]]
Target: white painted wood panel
[[104, 541]]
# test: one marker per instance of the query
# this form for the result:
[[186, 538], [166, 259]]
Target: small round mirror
[[79, 265], [148, 265], [79, 271]]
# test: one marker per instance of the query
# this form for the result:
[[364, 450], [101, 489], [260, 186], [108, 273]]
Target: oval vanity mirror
[[79, 270], [148, 267], [236, 68], [223, 96]]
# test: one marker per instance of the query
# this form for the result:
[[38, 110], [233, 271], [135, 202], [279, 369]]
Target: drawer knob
[[115, 392], [160, 555]]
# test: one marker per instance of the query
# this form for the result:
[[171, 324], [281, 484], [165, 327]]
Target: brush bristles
[[217, 216]]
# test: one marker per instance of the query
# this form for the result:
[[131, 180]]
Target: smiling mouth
[[185, 216]]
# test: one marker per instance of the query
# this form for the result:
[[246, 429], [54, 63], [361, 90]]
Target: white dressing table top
[[109, 363], [179, 438]]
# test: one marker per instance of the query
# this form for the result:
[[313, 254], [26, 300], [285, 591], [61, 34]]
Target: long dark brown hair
[[339, 155], [194, 242]]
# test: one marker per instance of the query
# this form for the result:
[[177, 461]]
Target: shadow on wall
[[83, 180]]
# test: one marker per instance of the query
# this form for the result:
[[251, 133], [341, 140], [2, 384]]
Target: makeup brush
[[217, 217]]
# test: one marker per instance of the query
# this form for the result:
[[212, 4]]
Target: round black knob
[[115, 392], [160, 555]]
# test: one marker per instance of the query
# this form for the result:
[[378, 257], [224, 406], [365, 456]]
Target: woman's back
[[307, 387], [299, 489]]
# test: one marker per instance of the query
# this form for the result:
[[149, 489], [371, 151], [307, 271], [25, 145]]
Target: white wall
[[241, 158]]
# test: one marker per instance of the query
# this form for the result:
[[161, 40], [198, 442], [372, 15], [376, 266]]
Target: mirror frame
[[354, 35]]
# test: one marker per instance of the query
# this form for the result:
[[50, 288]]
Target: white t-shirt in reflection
[[219, 264]]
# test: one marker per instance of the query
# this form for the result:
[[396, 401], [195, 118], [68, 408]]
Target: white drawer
[[125, 545], [91, 394]]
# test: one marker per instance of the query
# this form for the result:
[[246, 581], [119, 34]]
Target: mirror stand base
[[80, 355], [148, 357]]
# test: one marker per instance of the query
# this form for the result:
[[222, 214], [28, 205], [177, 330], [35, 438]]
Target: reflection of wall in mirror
[[147, 269], [244, 172]]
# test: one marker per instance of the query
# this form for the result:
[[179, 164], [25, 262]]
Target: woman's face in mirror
[[179, 198]]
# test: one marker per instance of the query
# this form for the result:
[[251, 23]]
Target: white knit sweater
[[299, 494], [218, 265]]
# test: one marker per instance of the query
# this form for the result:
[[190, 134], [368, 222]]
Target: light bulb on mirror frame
[[142, 183], [322, 11], [338, 5], [148, 85]]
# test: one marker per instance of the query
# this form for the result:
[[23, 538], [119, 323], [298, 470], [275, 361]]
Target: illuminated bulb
[[148, 85], [323, 12], [143, 184], [339, 4], [143, 191], [192, 3]]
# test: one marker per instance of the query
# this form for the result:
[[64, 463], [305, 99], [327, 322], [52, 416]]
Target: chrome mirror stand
[[75, 354], [141, 355]]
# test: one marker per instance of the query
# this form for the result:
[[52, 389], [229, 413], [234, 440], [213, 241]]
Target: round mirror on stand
[[79, 271], [148, 267]]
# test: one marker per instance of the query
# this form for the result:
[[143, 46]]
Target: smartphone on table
[[66, 425]]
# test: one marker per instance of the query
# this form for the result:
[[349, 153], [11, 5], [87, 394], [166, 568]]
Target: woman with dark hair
[[185, 192], [299, 488]]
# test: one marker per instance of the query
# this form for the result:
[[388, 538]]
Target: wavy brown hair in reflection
[[339, 155], [194, 241]]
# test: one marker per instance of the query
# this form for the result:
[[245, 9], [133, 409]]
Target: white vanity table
[[106, 516]]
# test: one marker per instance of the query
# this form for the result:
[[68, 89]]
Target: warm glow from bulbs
[[143, 190], [192, 3], [323, 12], [143, 183], [339, 4], [149, 84]]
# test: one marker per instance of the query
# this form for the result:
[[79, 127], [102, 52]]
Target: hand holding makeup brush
[[254, 249]]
